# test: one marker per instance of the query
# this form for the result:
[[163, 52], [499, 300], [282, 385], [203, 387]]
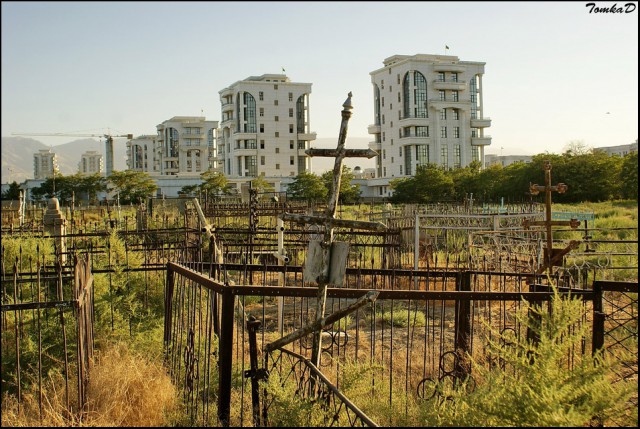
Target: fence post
[[598, 318], [253, 325], [225, 355], [168, 303], [463, 325]]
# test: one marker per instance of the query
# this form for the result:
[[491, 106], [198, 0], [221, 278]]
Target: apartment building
[[427, 109], [620, 150], [143, 154], [185, 146], [45, 164], [90, 163], [505, 160], [265, 130]]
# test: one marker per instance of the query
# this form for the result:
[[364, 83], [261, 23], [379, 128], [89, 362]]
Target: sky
[[555, 73]]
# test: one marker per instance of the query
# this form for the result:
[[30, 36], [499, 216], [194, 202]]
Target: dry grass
[[125, 390]]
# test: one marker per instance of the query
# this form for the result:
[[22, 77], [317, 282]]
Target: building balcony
[[481, 141], [450, 85], [227, 120], [245, 136], [414, 140], [374, 129], [480, 122], [443, 67], [245, 152], [307, 136], [436, 103], [376, 146], [226, 92], [410, 120], [226, 107]]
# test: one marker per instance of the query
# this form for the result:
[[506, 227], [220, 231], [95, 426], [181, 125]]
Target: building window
[[277, 150], [275, 86], [454, 77], [261, 96], [474, 132], [382, 101], [291, 96], [407, 160], [292, 160], [443, 114], [291, 111], [457, 161], [277, 166], [406, 92], [454, 95], [261, 144], [401, 170], [444, 155], [422, 131], [262, 111], [456, 114], [443, 132], [290, 144], [262, 160], [422, 154], [441, 95], [475, 153], [290, 128], [275, 102], [277, 134], [456, 132], [277, 118], [262, 128], [440, 77]]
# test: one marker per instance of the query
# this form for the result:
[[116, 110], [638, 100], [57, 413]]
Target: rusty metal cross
[[553, 256], [320, 265]]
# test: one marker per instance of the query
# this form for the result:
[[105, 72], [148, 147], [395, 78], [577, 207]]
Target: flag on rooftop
[[446, 47], [282, 69]]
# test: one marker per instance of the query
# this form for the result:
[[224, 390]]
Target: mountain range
[[17, 155]]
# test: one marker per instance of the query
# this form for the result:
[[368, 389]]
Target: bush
[[538, 386]]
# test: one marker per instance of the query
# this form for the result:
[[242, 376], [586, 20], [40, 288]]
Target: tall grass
[[125, 389]]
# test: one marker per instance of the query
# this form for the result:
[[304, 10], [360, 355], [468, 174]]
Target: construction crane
[[108, 144]]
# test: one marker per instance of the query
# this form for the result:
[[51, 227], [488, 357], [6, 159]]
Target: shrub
[[538, 387]]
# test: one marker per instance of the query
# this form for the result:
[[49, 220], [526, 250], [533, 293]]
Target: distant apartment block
[[45, 164], [265, 130], [620, 150], [90, 163], [143, 154], [506, 159], [427, 109], [185, 146]]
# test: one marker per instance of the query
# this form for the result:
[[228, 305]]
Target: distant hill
[[17, 155]]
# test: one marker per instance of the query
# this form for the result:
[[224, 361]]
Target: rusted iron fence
[[47, 325], [419, 331]]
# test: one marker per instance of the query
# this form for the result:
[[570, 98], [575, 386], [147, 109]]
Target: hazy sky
[[553, 69]]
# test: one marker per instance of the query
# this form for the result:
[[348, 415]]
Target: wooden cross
[[320, 253], [553, 256]]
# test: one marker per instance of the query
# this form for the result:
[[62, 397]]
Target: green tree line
[[590, 176]]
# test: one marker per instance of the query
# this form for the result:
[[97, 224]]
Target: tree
[[262, 186], [215, 184], [132, 186], [91, 185], [429, 185], [307, 186], [349, 193], [629, 176], [13, 193]]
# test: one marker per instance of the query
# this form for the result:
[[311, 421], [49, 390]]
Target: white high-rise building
[[185, 146], [427, 109], [265, 130], [45, 164], [90, 163], [143, 154]]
